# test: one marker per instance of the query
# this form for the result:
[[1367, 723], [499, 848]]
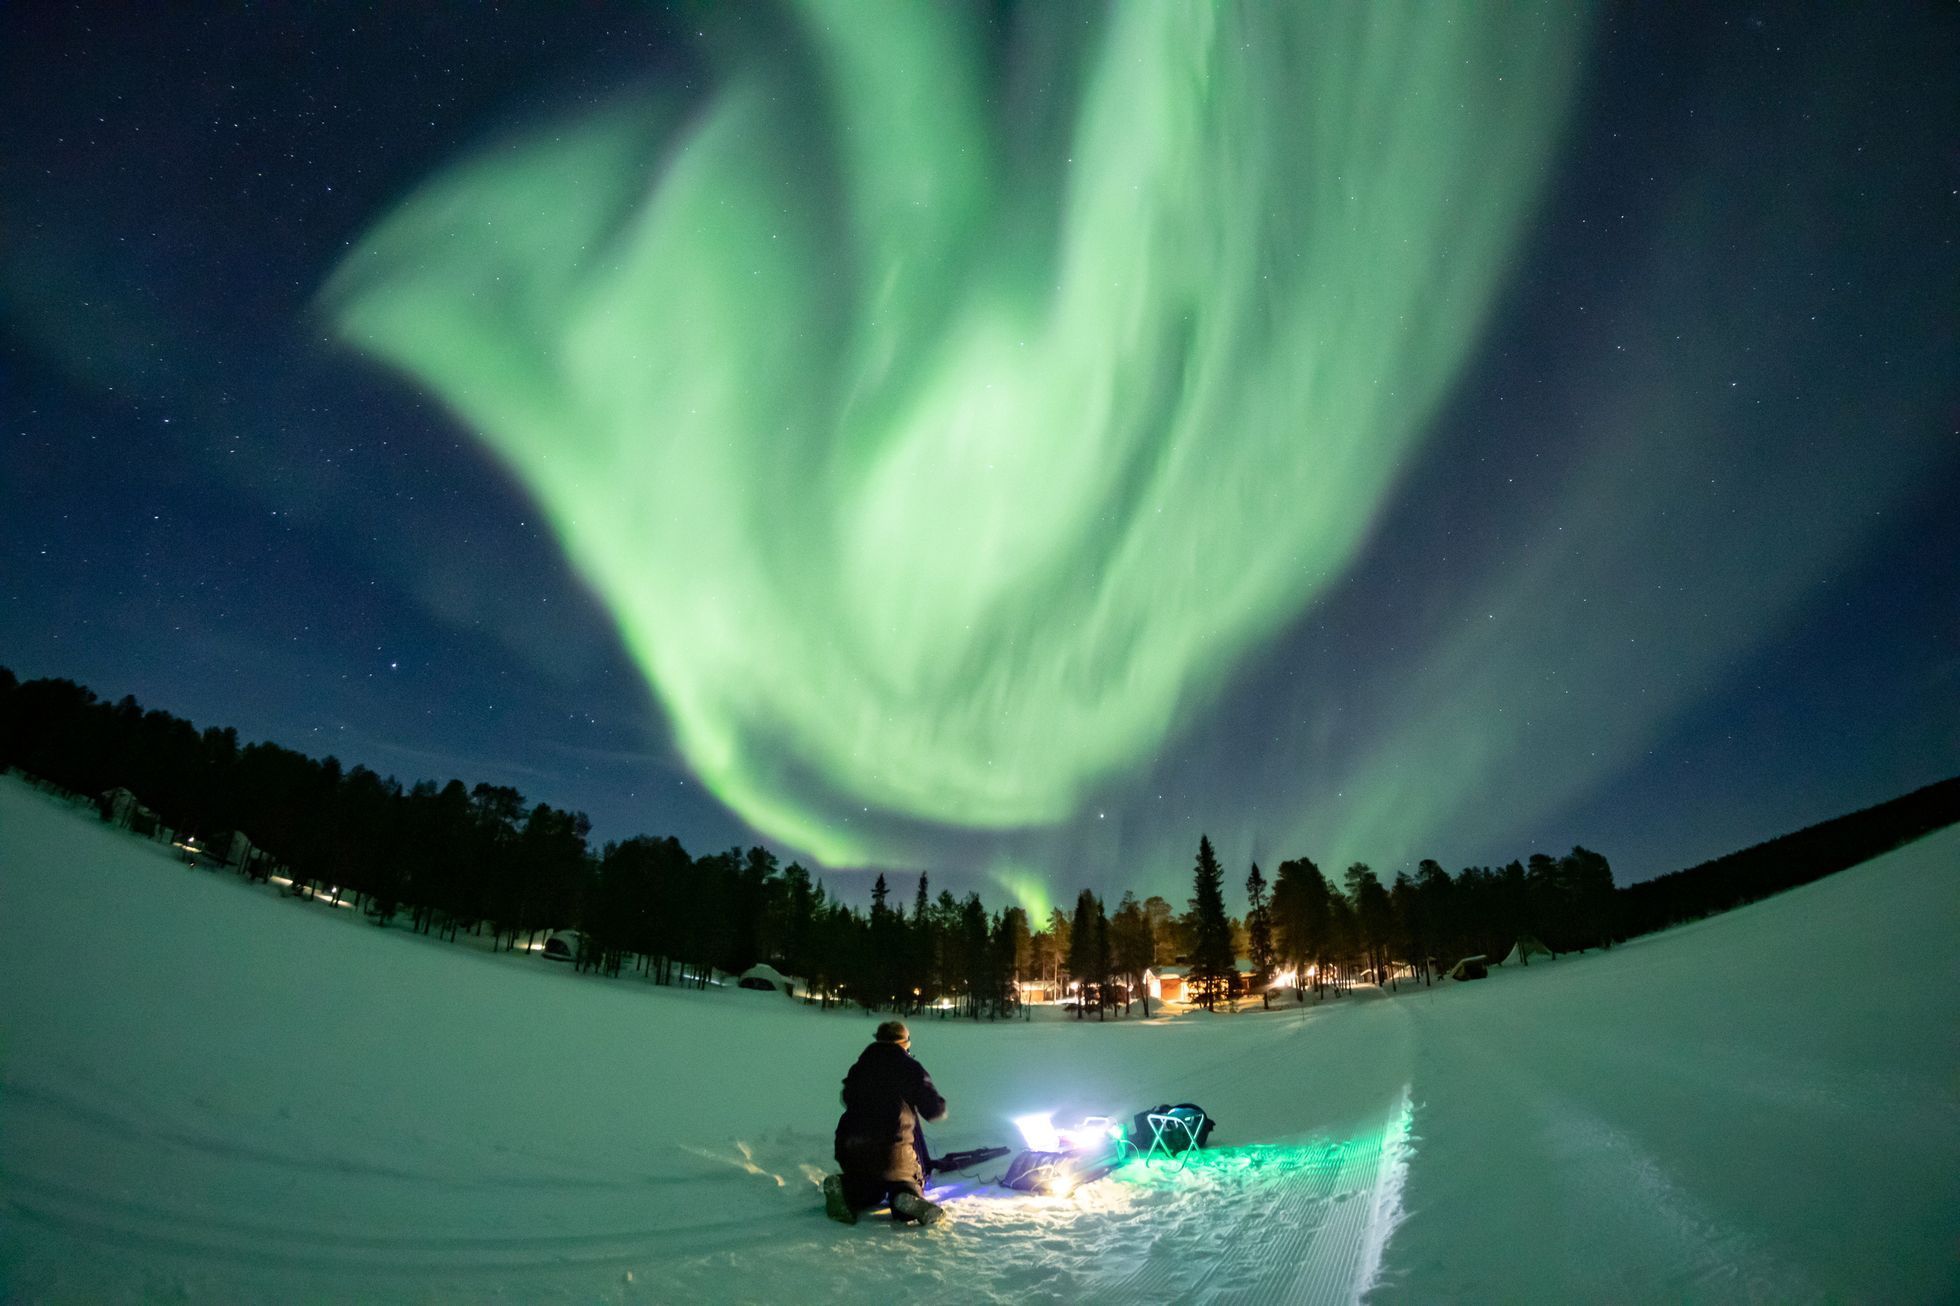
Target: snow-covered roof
[[762, 970]]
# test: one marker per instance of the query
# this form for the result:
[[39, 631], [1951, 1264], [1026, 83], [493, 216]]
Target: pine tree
[[1132, 950], [797, 905], [1343, 943], [1061, 936], [977, 948], [1411, 931], [922, 981], [1374, 918], [1020, 957], [1082, 950], [1166, 941], [880, 967], [1101, 960], [1211, 950], [1441, 931], [1003, 993], [1044, 959], [1549, 915], [1259, 935], [1302, 909], [1591, 878]]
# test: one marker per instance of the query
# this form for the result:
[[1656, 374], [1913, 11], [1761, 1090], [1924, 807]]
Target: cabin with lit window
[[1166, 983], [1035, 991]]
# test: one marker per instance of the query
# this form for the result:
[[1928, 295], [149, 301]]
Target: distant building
[[120, 808], [1166, 983], [234, 849], [766, 977], [1040, 990]]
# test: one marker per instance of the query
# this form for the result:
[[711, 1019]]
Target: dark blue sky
[[206, 503]]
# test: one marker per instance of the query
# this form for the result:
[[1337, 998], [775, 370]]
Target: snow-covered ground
[[209, 1092]]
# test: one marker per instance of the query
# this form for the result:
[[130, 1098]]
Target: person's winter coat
[[886, 1095]]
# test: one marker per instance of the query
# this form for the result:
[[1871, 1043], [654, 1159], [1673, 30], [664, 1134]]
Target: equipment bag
[[1194, 1128]]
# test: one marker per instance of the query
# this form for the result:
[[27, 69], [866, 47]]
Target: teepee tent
[[1524, 950]]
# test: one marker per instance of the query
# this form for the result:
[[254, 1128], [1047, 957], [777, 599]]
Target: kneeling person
[[880, 1144]]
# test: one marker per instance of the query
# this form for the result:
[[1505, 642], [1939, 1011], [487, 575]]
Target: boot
[[914, 1207], [834, 1204]]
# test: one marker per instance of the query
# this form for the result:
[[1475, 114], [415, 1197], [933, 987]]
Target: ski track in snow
[[1627, 1188], [223, 1095]]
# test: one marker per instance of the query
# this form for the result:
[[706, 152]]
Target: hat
[[894, 1031]]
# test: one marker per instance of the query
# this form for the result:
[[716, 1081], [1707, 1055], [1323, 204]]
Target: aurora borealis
[[1008, 440], [945, 478]]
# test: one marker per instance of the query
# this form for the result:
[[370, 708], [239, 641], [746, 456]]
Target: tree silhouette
[[1374, 918], [1132, 949], [1212, 960], [1303, 915], [1436, 894], [1259, 935], [454, 858], [1082, 951], [1018, 957], [1410, 937], [1589, 879]]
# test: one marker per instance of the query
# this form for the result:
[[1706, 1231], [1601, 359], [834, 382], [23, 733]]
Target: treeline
[[449, 859], [1326, 936], [1788, 860]]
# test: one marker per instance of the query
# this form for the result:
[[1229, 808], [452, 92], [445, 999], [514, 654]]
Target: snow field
[[210, 1092]]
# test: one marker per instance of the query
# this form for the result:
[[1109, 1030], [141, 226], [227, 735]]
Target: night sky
[[1007, 443]]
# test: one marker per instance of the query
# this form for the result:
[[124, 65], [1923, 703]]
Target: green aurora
[[943, 424]]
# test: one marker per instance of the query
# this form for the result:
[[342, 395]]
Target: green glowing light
[[1354, 1159], [1027, 890], [937, 446]]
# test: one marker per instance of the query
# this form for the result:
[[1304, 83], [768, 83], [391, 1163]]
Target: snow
[[209, 1091]]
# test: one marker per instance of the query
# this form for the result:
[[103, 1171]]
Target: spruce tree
[[1211, 944], [879, 983]]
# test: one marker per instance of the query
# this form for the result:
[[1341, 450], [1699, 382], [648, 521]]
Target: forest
[[447, 859]]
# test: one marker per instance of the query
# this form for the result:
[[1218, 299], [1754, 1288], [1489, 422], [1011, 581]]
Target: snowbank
[[211, 1092]]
